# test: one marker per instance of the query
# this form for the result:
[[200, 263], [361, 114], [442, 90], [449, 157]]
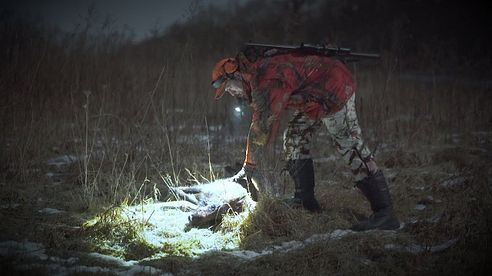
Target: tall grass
[[131, 111]]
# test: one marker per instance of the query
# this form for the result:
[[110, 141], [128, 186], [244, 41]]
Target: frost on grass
[[28, 257], [50, 211], [213, 200], [157, 229], [62, 161], [454, 182], [293, 245], [28, 249], [418, 248]]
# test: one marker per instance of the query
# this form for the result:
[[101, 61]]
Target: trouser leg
[[298, 136], [345, 130], [297, 142]]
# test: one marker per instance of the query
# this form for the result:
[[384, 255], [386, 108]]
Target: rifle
[[268, 50]]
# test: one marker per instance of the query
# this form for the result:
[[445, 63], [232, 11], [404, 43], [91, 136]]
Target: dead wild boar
[[213, 200]]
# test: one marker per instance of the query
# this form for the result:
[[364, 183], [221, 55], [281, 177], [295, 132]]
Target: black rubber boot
[[302, 171], [375, 189]]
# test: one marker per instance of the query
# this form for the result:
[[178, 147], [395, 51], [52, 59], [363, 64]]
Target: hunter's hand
[[246, 172], [259, 134], [239, 175]]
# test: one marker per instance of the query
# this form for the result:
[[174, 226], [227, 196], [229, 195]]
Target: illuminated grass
[[158, 229]]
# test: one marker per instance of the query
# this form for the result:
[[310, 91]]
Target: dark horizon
[[141, 17], [440, 17]]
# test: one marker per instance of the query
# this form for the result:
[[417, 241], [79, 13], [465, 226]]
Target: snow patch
[[166, 223], [329, 158], [25, 249], [215, 128], [418, 249], [50, 211], [84, 269], [291, 245], [433, 220], [111, 260], [454, 182], [456, 138], [29, 256], [146, 270], [56, 178], [62, 161], [9, 206]]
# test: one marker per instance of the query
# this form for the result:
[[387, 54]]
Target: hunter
[[318, 90]]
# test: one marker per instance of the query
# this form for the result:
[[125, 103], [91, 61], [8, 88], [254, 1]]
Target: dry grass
[[136, 115]]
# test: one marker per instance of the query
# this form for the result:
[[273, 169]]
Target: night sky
[[139, 16], [450, 25]]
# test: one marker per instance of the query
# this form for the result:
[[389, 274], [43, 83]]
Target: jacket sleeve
[[269, 100]]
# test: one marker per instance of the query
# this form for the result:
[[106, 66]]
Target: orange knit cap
[[222, 69]]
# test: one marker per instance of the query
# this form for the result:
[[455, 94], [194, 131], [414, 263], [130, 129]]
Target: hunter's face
[[235, 88]]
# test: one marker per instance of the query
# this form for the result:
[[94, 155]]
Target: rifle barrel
[[366, 55], [322, 49]]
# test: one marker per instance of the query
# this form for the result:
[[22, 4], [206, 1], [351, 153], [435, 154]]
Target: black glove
[[245, 178], [246, 172]]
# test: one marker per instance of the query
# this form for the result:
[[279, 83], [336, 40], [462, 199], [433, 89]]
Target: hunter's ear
[[230, 66]]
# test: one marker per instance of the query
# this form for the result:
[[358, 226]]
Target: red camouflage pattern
[[315, 85]]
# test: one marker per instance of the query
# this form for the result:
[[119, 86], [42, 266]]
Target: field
[[96, 125]]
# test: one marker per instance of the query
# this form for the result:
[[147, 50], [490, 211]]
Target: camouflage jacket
[[312, 84]]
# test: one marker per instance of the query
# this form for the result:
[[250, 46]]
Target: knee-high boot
[[375, 189], [302, 171]]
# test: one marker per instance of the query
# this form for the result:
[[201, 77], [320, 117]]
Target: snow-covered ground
[[29, 256], [166, 223]]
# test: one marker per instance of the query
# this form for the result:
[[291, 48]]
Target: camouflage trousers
[[344, 130]]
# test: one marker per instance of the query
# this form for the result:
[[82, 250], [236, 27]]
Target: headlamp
[[218, 82]]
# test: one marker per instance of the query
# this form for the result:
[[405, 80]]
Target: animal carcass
[[213, 200]]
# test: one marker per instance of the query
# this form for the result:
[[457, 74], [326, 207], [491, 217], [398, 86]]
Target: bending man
[[319, 90]]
